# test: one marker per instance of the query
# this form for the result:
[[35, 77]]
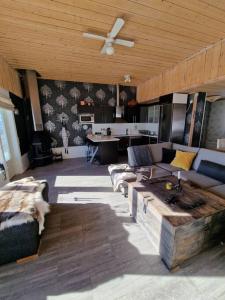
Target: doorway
[[10, 153]]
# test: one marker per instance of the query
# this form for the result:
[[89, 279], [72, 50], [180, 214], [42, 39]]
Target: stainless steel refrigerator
[[172, 120]]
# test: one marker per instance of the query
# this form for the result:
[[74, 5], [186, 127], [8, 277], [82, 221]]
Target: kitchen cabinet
[[105, 114], [142, 140], [136, 141], [149, 114], [153, 114], [165, 122], [144, 114], [132, 140], [85, 109], [132, 114], [123, 143]]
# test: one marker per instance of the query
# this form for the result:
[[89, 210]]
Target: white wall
[[25, 163], [74, 152], [116, 128], [17, 163]]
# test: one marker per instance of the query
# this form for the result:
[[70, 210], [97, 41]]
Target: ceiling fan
[[111, 39]]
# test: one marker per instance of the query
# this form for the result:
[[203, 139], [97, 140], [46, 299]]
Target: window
[[3, 136]]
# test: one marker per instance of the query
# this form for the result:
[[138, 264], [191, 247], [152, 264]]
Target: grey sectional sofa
[[163, 169]]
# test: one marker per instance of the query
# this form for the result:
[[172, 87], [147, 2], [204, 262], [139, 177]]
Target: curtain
[[6, 103]]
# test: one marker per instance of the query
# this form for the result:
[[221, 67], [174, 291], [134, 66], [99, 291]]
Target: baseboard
[[73, 152]]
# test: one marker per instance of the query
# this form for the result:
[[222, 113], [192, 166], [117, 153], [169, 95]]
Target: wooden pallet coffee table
[[177, 230]]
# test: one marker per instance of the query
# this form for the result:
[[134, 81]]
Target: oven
[[86, 118]]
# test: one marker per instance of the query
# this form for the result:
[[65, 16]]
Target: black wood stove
[[40, 152]]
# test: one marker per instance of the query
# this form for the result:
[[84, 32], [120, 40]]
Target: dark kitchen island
[[106, 149]]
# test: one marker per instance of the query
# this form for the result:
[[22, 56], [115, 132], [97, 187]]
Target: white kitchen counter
[[134, 135], [102, 138]]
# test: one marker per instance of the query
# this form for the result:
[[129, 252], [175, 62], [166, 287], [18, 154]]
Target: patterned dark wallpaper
[[188, 119], [127, 93], [198, 119], [60, 99]]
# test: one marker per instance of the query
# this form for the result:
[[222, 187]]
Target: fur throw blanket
[[21, 202]]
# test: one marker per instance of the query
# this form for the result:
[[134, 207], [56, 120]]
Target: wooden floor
[[92, 250]]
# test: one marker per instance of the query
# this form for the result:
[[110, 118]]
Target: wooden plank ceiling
[[47, 36]]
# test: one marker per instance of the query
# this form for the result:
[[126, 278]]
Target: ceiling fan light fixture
[[127, 78], [110, 38], [109, 50]]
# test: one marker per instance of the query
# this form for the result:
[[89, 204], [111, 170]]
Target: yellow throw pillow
[[183, 160]]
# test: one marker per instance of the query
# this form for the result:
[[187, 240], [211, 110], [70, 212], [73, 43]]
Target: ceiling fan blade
[[124, 43], [103, 50], [116, 27], [93, 36]]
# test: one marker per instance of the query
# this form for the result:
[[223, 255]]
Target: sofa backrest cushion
[[183, 160], [156, 150], [168, 155], [139, 156], [185, 148], [210, 155], [212, 169]]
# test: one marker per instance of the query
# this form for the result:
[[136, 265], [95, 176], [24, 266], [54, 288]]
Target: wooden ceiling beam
[[200, 72]]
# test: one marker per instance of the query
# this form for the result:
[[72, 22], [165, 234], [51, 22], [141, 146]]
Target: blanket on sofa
[[21, 202], [139, 156]]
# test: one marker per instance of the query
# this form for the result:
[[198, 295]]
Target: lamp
[[127, 78], [109, 49]]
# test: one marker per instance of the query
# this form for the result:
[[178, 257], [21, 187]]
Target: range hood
[[119, 109]]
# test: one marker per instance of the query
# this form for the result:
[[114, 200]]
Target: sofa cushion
[[119, 168], [218, 190], [185, 148], [168, 167], [198, 179], [156, 150], [212, 170], [210, 155], [139, 156], [183, 160], [168, 155]]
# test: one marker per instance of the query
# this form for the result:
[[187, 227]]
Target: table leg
[[93, 155]]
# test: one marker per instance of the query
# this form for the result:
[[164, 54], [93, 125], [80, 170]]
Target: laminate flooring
[[91, 249]]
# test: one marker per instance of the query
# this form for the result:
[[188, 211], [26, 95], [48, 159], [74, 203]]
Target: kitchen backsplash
[[120, 128], [59, 101]]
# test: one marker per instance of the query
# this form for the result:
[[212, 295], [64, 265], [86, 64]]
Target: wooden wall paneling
[[1, 73], [6, 76], [165, 82], [195, 69], [9, 78], [221, 70], [155, 87], [179, 76], [212, 60], [204, 71]]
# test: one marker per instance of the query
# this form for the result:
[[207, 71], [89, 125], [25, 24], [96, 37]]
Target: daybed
[[20, 241]]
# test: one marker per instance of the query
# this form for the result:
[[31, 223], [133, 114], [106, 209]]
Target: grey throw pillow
[[139, 156]]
